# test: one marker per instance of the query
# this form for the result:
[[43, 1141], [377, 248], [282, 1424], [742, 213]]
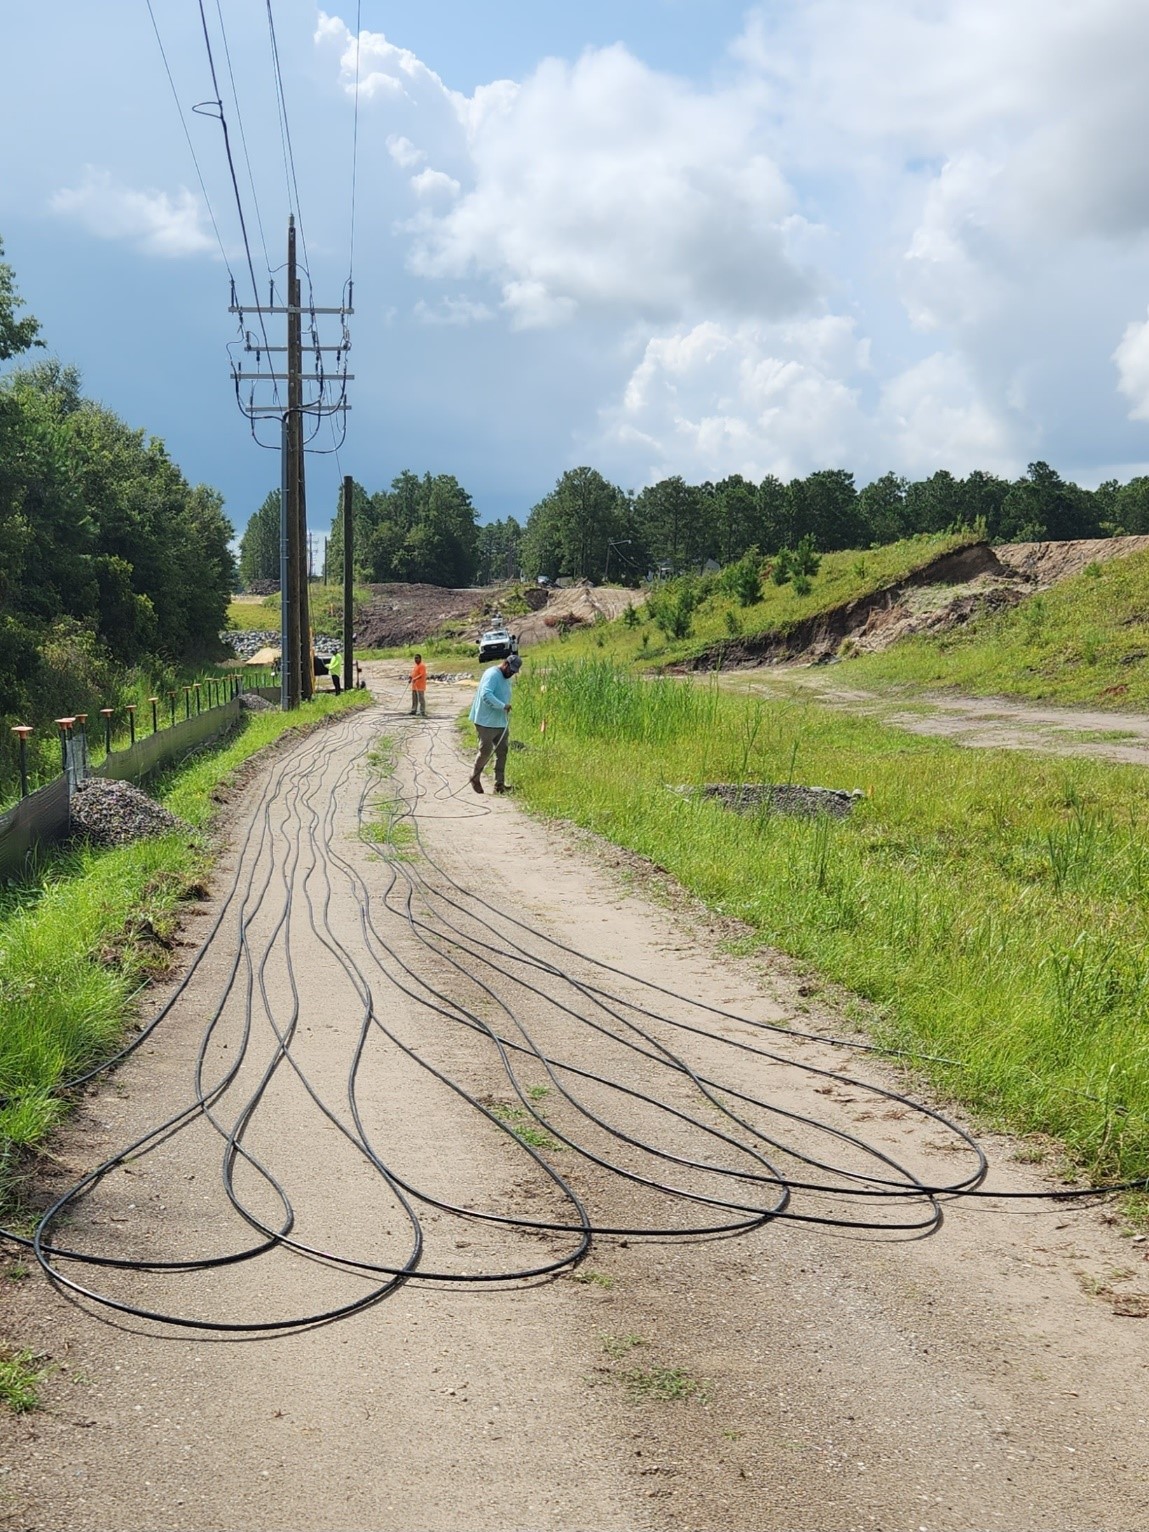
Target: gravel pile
[[254, 703], [804, 802], [251, 641], [108, 813]]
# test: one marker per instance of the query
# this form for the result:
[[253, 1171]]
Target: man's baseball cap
[[513, 664]]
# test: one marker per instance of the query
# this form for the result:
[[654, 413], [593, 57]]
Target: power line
[[242, 133], [285, 139], [219, 113], [188, 137], [354, 152]]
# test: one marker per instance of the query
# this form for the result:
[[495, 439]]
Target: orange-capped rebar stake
[[22, 731], [65, 726]]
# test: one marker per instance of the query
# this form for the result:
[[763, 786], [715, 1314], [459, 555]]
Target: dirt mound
[[409, 614], [1046, 563], [580, 605], [943, 594]]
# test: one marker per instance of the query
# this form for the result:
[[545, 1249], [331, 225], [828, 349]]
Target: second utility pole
[[295, 637]]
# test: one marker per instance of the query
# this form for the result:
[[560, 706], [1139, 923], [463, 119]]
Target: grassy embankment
[[992, 907], [720, 622], [78, 940], [260, 614], [1083, 642]]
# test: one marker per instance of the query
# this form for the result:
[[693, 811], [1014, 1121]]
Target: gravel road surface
[[399, 1074]]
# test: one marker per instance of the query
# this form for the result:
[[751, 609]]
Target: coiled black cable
[[439, 984]]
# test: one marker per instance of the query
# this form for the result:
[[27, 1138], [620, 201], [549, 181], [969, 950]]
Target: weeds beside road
[[79, 938], [993, 906]]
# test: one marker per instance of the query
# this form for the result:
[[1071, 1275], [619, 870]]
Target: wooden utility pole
[[292, 650], [348, 566], [295, 408], [297, 679]]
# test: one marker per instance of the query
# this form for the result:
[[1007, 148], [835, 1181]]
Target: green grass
[[325, 609], [720, 621], [388, 830], [254, 616], [522, 1125], [618, 1346], [461, 652], [992, 907], [1085, 641], [20, 1380], [594, 1279], [663, 1384], [78, 939]]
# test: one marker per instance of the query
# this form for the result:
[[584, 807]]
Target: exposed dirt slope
[[410, 614], [943, 594], [407, 614], [580, 605]]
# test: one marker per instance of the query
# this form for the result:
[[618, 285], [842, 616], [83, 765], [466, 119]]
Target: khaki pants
[[497, 740], [418, 703]]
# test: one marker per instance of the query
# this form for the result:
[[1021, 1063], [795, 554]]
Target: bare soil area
[[944, 594], [580, 605], [985, 723], [347, 1046], [410, 614]]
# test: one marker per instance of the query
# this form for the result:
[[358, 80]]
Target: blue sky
[[656, 236]]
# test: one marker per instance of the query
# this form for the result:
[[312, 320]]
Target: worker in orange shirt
[[419, 687]]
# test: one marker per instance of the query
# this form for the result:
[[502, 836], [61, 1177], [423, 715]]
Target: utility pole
[[297, 681], [291, 688], [348, 566]]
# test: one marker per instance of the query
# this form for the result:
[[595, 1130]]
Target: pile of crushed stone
[[254, 703], [804, 802], [108, 813]]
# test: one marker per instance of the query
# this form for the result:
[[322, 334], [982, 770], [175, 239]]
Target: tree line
[[589, 528], [109, 558], [420, 531], [586, 527]]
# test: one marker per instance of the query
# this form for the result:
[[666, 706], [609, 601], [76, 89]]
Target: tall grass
[[994, 907]]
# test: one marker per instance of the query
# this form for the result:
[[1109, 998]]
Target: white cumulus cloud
[[933, 416], [1132, 358], [156, 222], [598, 186], [747, 398], [891, 235]]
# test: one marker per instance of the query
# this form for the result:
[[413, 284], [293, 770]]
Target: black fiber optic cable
[[619, 1113]]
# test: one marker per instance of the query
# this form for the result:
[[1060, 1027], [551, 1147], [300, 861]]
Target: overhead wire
[[218, 104], [287, 147], [190, 144], [242, 134]]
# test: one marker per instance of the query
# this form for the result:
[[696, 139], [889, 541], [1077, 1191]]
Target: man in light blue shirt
[[491, 715]]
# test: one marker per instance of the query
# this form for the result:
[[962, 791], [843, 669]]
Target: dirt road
[[980, 722], [414, 1070]]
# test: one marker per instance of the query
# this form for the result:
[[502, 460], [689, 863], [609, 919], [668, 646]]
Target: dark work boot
[[476, 784]]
